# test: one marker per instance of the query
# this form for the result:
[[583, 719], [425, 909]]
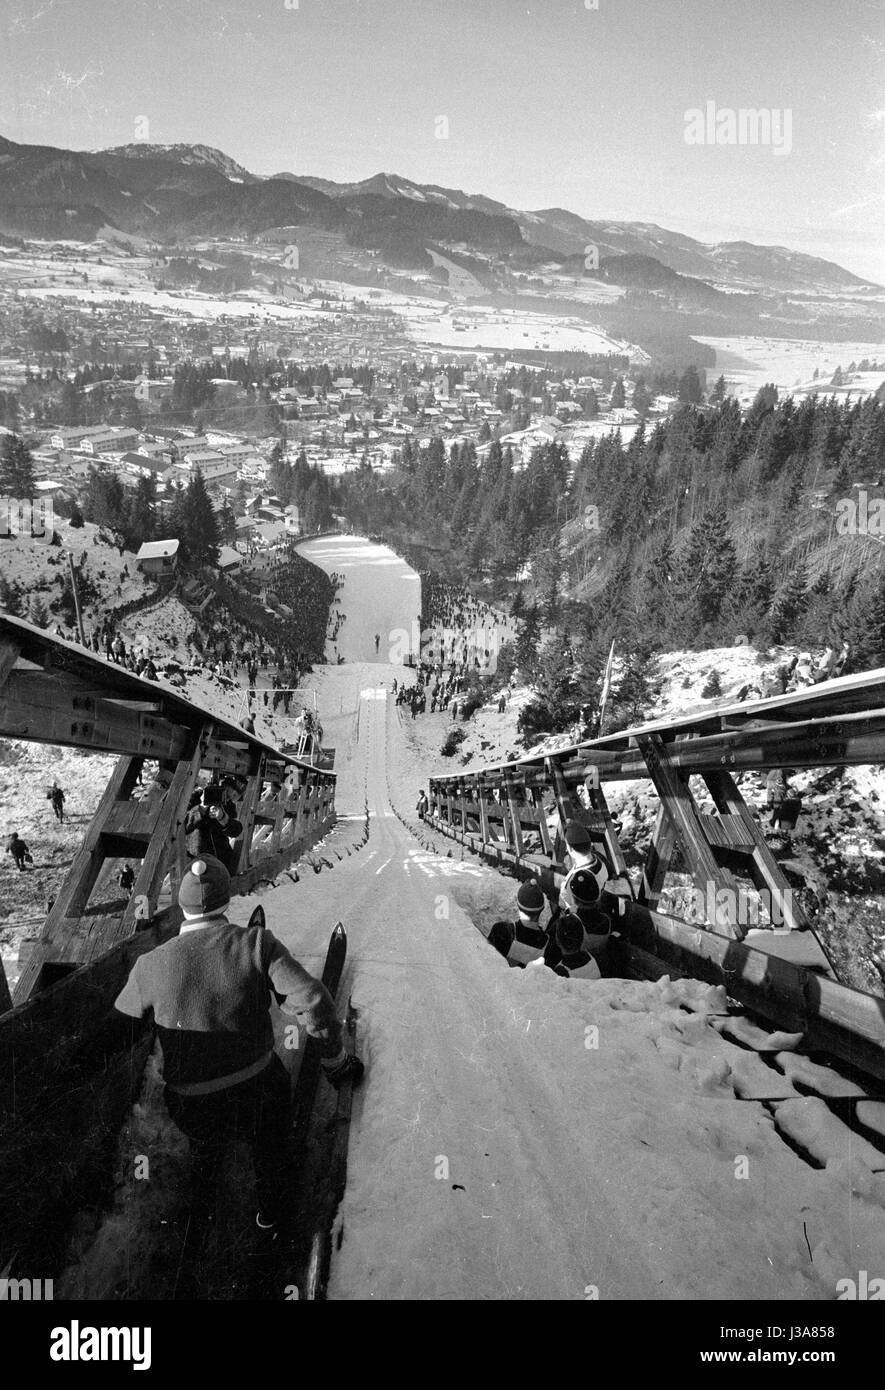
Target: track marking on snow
[[383, 866], [435, 866]]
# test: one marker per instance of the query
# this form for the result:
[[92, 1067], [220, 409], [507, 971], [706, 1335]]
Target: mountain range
[[175, 192]]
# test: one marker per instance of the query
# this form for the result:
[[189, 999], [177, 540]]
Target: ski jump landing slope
[[521, 1136]]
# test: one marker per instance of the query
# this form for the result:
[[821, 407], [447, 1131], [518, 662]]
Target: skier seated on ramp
[[580, 901], [210, 989], [524, 940], [581, 855], [571, 948]]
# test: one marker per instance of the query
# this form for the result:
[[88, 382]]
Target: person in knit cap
[[209, 990], [576, 961], [523, 940]]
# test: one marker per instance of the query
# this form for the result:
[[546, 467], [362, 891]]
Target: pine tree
[[528, 642], [636, 688], [707, 570], [790, 603], [193, 522], [864, 627], [38, 613], [690, 391], [16, 468], [555, 705]]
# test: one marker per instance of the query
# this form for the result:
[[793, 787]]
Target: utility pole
[[73, 569]]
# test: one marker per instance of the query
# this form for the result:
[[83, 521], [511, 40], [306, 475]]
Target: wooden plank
[[764, 869], [726, 832]]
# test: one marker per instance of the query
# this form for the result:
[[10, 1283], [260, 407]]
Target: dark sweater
[[210, 992]]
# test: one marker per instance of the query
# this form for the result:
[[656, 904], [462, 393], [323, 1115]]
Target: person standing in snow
[[57, 797], [209, 990], [19, 851]]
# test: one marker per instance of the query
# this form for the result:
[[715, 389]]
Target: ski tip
[[338, 930]]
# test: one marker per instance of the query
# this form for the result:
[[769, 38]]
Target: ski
[[320, 1258], [288, 1272], [309, 1075]]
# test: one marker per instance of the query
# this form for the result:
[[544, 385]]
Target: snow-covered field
[[482, 326], [750, 362]]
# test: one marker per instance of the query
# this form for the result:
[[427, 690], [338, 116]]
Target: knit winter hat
[[530, 898], [577, 836], [585, 886], [569, 934], [204, 888]]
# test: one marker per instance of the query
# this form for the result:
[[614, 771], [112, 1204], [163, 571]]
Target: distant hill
[[179, 190]]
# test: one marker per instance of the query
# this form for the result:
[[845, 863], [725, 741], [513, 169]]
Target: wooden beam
[[248, 808], [42, 709], [679, 805]]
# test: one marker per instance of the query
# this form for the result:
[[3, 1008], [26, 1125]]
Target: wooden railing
[[56, 692], [514, 814], [69, 1065]]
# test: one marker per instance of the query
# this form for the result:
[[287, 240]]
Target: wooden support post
[[484, 826], [248, 808], [5, 996], [537, 797], [513, 807], [679, 805], [560, 791], [279, 821], [660, 854], [599, 805]]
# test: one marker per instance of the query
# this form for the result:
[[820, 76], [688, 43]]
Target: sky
[[571, 103]]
